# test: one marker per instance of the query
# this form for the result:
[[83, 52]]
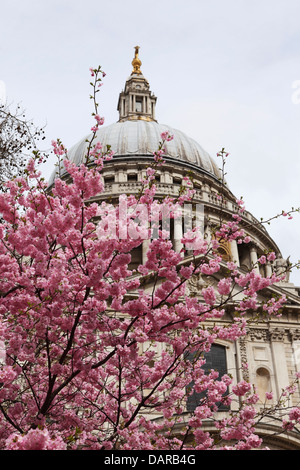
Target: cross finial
[[136, 63]]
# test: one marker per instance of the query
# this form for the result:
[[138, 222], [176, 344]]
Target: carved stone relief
[[244, 358], [277, 334], [198, 282]]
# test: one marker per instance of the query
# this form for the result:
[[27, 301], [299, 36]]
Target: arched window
[[224, 250], [216, 360]]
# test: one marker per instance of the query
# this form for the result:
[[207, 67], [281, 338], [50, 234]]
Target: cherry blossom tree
[[97, 356]]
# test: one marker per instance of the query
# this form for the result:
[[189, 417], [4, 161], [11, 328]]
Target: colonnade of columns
[[234, 253]]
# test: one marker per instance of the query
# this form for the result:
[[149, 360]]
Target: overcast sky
[[225, 72]]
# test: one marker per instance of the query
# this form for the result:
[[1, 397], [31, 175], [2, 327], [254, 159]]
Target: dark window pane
[[215, 359]]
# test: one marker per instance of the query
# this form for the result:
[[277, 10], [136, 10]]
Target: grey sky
[[223, 72]]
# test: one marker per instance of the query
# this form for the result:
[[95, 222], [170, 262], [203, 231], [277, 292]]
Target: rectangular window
[[177, 180], [109, 179], [138, 105], [132, 177], [216, 360]]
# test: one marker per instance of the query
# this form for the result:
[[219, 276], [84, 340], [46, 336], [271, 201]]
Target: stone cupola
[[136, 101]]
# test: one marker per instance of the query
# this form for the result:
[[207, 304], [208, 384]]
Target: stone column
[[234, 252], [178, 233], [145, 248], [153, 109], [253, 258], [295, 340], [207, 233], [279, 359], [268, 269]]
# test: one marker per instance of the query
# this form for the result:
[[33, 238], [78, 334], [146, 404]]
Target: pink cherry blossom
[[224, 286], [271, 256]]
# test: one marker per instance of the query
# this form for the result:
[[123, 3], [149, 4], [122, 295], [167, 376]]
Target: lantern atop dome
[[136, 101]]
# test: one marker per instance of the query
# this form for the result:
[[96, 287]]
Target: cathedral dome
[[137, 134], [140, 138]]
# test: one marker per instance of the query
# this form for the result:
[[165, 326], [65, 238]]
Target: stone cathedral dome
[[140, 138], [137, 133], [135, 137]]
